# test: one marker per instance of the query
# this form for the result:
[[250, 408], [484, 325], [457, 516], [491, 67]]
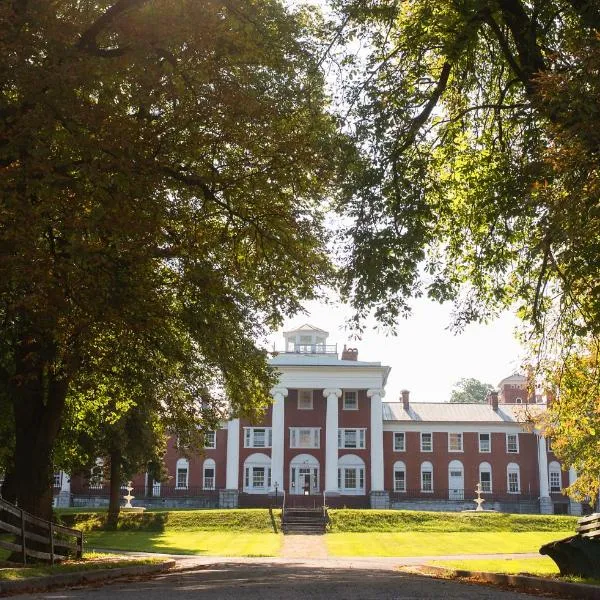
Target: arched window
[[399, 476], [257, 473], [426, 477], [304, 474], [554, 477], [182, 471], [208, 474], [97, 474], [513, 478], [351, 474], [485, 477]]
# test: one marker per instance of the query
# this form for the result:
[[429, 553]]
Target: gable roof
[[446, 412], [306, 327]]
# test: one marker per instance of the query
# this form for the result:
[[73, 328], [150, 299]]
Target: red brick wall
[[304, 418]]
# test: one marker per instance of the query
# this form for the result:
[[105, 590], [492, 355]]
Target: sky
[[426, 357]]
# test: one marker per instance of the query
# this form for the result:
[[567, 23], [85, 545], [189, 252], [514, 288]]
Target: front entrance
[[456, 481], [304, 475]]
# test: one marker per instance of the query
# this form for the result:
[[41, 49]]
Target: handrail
[[49, 539]]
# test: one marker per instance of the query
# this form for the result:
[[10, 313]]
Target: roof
[[306, 327], [446, 412], [516, 378]]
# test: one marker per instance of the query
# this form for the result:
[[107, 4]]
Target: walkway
[[301, 546]]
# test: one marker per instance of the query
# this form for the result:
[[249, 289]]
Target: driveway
[[257, 579]]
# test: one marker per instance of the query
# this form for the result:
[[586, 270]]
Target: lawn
[[90, 562], [542, 566], [213, 543], [424, 543]]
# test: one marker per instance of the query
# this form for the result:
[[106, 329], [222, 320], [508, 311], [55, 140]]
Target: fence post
[[79, 545], [51, 543], [23, 543]]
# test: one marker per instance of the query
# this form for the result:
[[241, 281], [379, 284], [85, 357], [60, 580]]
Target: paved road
[[294, 580]]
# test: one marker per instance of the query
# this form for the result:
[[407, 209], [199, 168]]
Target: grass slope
[[406, 520], [181, 520], [542, 566]]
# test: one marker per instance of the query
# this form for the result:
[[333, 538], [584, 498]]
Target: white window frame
[[548, 444], [314, 433], [489, 441], [308, 396], [97, 475], [513, 469], [253, 464], [399, 447], [209, 483], [485, 467], [354, 404], [459, 447], [516, 436], [554, 469], [426, 467], [57, 479], [210, 440], [249, 435], [519, 400], [354, 465], [430, 434], [361, 438], [183, 464], [399, 467]]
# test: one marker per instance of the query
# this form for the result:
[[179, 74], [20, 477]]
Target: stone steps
[[304, 520]]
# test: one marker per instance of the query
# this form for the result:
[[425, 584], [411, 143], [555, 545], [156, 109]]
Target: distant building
[[330, 436]]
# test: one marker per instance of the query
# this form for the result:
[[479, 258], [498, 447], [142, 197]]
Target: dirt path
[[304, 546]]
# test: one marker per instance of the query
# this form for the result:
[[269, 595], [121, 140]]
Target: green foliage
[[162, 168], [205, 520], [470, 390], [399, 520]]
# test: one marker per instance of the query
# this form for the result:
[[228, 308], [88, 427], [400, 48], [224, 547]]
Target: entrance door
[[305, 480], [456, 481]]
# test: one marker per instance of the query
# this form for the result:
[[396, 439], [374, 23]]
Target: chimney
[[493, 400], [405, 396], [349, 353]]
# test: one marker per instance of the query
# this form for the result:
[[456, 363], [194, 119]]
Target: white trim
[[399, 467], [207, 436], [462, 442], [554, 469], [429, 433], [517, 444], [486, 467], [181, 465], [249, 435], [209, 483], [344, 407], [252, 466], [361, 438], [310, 397], [513, 468], [426, 467], [315, 436], [347, 464], [489, 450], [394, 447]]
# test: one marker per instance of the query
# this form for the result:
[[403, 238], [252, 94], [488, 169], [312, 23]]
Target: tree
[[160, 162], [477, 181], [458, 194], [470, 390]]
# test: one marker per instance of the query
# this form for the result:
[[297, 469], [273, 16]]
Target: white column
[[574, 506], [331, 439], [278, 425], [543, 467], [65, 483], [376, 439], [233, 454]]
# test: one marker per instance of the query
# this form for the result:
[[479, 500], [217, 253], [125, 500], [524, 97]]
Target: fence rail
[[459, 495], [50, 541]]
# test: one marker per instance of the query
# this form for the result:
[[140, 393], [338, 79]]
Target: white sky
[[426, 358]]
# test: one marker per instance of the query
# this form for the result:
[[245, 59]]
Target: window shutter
[[247, 438], [269, 437], [247, 476], [362, 438], [340, 439]]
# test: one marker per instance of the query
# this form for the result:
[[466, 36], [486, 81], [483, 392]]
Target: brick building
[[329, 435]]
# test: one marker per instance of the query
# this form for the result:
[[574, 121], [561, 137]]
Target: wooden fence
[[35, 533]]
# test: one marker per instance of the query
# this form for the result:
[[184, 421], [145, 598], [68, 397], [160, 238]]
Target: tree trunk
[[9, 490], [38, 397], [114, 505]]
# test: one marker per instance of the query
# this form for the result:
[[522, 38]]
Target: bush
[[205, 520], [406, 520]]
